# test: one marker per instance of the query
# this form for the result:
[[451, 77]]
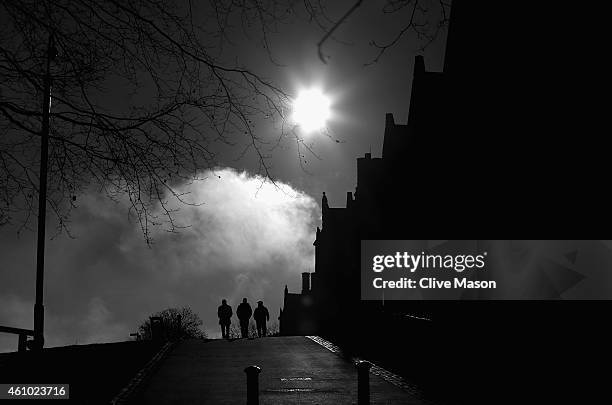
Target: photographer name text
[[403, 261]]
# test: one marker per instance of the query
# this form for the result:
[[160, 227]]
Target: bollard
[[252, 373], [23, 342], [363, 382]]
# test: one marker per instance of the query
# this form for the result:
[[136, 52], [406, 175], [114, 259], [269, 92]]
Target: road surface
[[295, 370]]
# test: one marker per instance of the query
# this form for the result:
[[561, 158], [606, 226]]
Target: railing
[[23, 336]]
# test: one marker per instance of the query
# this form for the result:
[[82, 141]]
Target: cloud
[[248, 239]]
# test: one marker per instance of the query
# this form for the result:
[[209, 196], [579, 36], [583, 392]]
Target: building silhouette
[[376, 210], [490, 149], [383, 205], [496, 146], [477, 157]]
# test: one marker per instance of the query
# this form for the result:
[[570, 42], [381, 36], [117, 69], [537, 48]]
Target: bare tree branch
[[141, 95]]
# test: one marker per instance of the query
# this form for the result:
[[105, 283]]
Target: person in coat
[[244, 313], [261, 316], [225, 314]]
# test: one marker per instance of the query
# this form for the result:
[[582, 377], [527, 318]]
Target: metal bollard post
[[23, 341], [363, 382], [252, 373]]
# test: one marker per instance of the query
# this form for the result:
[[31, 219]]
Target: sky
[[102, 283], [249, 238]]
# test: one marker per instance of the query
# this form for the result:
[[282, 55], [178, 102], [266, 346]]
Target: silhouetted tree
[[140, 95], [142, 92], [189, 325]]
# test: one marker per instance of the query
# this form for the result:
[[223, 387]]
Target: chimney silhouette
[[305, 283], [349, 199], [387, 141], [324, 209]]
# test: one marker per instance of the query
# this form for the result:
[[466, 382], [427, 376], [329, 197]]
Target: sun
[[311, 110]]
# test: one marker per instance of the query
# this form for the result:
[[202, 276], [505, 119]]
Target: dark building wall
[[378, 209], [421, 182], [469, 161]]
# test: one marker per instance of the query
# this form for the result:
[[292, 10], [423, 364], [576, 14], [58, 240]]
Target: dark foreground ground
[[295, 370], [96, 373], [559, 353], [496, 352]]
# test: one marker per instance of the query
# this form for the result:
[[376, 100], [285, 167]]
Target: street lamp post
[[39, 309]]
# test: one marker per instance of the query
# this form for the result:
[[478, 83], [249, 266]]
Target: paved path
[[295, 370]]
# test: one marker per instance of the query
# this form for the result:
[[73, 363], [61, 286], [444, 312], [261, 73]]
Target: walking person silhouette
[[225, 314], [261, 315], [244, 313]]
